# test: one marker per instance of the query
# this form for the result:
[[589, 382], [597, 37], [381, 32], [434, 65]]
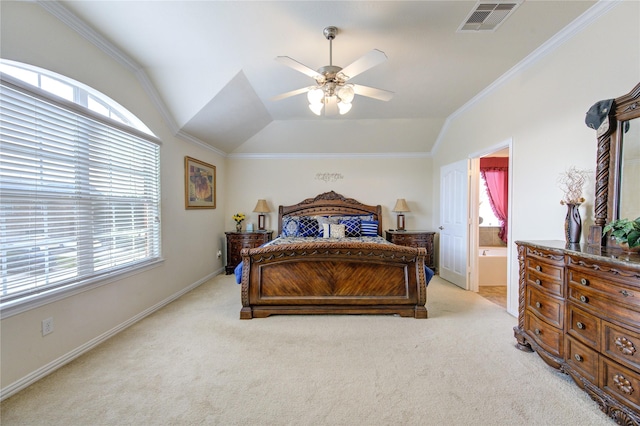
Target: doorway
[[489, 243]]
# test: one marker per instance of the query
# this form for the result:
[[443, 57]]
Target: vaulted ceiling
[[213, 62]]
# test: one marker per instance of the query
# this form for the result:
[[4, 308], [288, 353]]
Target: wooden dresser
[[580, 311], [415, 239], [236, 241]]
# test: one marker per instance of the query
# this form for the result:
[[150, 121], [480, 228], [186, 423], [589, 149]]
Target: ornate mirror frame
[[610, 133]]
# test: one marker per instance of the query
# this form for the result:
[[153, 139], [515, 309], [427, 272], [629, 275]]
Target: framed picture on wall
[[199, 184]]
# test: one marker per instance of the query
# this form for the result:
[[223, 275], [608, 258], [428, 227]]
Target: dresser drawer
[[622, 345], [607, 285], [544, 275], [597, 301], [582, 359], [547, 336], [545, 306], [620, 382], [583, 326]]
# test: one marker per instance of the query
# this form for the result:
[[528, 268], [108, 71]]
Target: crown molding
[[575, 27], [316, 156]]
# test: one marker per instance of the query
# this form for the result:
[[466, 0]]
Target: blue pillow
[[351, 227], [290, 226], [307, 227], [369, 228]]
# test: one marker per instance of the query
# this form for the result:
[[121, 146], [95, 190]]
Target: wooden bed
[[333, 277]]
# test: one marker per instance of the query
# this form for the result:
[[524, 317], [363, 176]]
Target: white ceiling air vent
[[487, 16]]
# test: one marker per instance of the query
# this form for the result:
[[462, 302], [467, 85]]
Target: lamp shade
[[401, 206], [261, 207]]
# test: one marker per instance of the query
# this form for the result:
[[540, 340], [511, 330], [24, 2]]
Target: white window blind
[[79, 196]]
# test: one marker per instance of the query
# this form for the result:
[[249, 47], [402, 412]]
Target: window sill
[[16, 307]]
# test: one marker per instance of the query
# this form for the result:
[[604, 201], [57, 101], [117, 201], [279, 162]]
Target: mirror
[[618, 165], [629, 205]]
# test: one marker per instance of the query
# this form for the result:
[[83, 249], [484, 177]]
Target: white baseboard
[[49, 368]]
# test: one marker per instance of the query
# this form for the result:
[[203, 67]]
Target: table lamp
[[401, 207], [261, 207]]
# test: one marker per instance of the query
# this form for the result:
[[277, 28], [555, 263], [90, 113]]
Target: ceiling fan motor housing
[[330, 32]]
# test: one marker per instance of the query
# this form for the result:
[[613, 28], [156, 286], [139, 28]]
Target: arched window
[[79, 187]]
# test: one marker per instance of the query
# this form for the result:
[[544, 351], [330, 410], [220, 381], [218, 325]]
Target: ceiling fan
[[331, 90]]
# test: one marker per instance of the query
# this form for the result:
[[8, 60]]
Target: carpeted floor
[[194, 362]]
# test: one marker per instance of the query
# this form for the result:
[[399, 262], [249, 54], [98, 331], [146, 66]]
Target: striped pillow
[[369, 228]]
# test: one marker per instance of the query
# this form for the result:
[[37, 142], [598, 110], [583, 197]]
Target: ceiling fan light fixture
[[346, 93], [316, 108], [344, 107], [315, 95], [331, 91]]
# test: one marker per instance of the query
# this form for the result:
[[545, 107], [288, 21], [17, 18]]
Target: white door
[[454, 202]]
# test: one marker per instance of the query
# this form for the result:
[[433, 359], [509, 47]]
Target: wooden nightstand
[[236, 241], [415, 239]]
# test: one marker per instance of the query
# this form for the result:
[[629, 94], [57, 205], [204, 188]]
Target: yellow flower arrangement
[[239, 217]]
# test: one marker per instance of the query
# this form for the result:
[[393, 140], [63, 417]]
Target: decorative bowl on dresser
[[236, 241]]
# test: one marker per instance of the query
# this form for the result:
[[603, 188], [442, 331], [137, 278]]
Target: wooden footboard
[[333, 278]]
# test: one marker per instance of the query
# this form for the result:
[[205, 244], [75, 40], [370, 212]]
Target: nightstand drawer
[[236, 241]]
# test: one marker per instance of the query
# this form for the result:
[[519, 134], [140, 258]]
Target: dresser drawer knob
[[580, 325], [578, 358], [623, 384], [584, 299], [537, 331], [625, 345], [625, 293], [584, 281], [538, 282], [538, 305], [538, 268]]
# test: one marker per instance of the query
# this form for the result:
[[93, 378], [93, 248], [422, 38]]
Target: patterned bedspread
[[298, 240]]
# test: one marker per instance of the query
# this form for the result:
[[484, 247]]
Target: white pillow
[[330, 230]]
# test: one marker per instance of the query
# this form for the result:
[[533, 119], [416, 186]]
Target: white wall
[[190, 238], [542, 108], [370, 180]]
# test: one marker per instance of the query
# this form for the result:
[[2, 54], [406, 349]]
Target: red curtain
[[495, 172]]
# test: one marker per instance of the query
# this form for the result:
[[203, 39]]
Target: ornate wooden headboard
[[330, 204]]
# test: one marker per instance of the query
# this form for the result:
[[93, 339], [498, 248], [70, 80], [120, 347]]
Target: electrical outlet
[[219, 254], [47, 326]]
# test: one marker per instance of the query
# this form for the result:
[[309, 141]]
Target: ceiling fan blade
[[291, 93], [367, 61], [372, 92], [285, 60]]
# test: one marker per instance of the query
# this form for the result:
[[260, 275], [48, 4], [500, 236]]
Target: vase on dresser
[[238, 226], [573, 224]]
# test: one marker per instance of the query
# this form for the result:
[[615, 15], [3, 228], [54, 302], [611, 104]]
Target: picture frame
[[199, 184]]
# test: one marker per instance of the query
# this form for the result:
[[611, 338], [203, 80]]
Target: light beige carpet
[[195, 363]]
